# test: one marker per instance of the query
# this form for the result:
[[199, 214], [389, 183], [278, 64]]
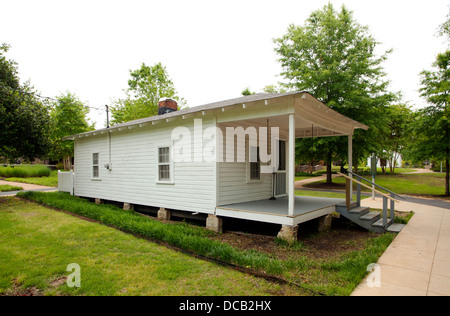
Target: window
[[255, 164], [95, 165], [164, 164]]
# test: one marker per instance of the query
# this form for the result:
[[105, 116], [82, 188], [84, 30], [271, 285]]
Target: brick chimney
[[167, 105]]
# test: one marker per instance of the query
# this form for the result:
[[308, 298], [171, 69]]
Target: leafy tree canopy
[[69, 117], [332, 57], [146, 87], [24, 118]]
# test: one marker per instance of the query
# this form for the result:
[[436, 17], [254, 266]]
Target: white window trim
[[248, 169], [97, 165], [171, 165]]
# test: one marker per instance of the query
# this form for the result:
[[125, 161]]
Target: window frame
[[251, 165], [95, 165], [168, 163]]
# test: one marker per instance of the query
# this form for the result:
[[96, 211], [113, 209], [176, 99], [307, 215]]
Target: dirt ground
[[343, 237]]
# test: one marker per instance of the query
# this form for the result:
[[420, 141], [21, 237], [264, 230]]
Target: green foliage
[[338, 276], [332, 57], [430, 130], [24, 119], [394, 135], [444, 29], [24, 171], [69, 116], [247, 92], [37, 244], [146, 87], [50, 181], [7, 188], [180, 235]]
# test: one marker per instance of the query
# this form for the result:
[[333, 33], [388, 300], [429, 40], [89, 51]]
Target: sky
[[212, 50]]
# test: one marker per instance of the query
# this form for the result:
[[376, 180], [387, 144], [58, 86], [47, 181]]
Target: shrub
[[24, 171]]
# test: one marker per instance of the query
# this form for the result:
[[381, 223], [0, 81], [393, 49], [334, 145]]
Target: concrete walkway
[[418, 260], [25, 187]]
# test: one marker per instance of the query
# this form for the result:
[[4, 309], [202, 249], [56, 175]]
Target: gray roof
[[209, 106]]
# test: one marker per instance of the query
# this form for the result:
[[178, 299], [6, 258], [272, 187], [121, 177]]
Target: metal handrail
[[379, 186], [385, 196], [360, 183]]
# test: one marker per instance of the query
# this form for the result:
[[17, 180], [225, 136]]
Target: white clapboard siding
[[233, 183], [133, 178]]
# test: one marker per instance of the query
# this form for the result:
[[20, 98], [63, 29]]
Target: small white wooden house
[[207, 159]]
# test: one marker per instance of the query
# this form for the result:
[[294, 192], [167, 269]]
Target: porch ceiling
[[312, 119]]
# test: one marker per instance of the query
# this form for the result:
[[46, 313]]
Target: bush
[[24, 171]]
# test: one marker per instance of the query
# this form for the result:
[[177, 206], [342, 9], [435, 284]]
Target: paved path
[[420, 171], [25, 186], [418, 260], [299, 184]]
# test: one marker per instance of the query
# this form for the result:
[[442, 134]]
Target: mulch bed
[[343, 237]]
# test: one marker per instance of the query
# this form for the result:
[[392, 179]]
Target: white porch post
[[291, 188], [350, 163]]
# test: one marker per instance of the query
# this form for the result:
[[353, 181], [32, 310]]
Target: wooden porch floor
[[276, 211]]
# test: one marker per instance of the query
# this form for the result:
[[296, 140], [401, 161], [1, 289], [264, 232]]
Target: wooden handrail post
[[384, 212], [347, 193], [358, 192], [392, 208]]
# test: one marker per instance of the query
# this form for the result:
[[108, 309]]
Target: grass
[[37, 245], [331, 276], [50, 181], [325, 194], [24, 171], [416, 184], [7, 187]]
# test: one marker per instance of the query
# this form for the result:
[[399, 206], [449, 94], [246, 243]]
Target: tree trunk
[[329, 163], [67, 161]]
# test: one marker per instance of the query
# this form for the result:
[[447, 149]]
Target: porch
[[276, 211]]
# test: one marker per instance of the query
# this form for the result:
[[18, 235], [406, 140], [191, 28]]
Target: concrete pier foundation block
[[164, 214], [214, 223], [325, 223], [127, 206], [288, 233]]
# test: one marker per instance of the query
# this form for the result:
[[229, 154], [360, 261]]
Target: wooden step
[[361, 210], [371, 216], [353, 204], [379, 223]]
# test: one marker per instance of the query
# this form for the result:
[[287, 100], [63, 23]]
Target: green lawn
[[416, 184], [325, 194], [37, 245], [50, 181], [334, 274], [7, 187]]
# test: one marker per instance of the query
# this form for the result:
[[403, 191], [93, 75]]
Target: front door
[[280, 176]]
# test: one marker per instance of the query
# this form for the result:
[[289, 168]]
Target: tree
[[444, 29], [332, 57], [394, 138], [24, 118], [431, 128], [69, 118], [247, 92], [145, 88]]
